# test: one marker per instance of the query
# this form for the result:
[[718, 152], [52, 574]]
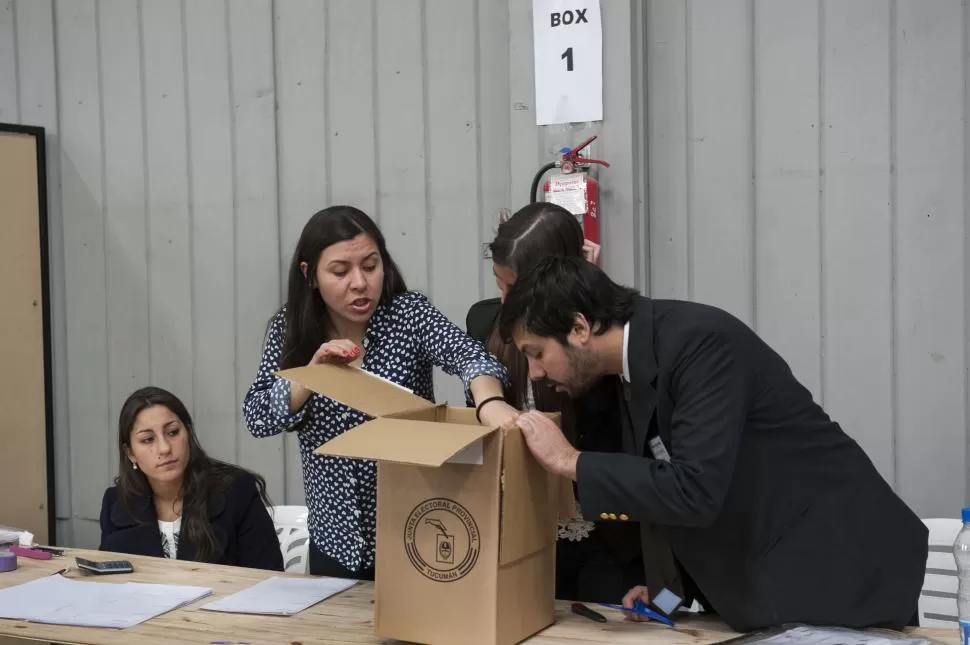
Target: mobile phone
[[667, 601], [104, 567]]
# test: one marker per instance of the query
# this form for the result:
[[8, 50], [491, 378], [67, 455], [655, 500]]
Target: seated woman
[[172, 500], [595, 562], [347, 303]]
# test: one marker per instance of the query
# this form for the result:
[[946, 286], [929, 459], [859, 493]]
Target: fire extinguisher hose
[[538, 178]]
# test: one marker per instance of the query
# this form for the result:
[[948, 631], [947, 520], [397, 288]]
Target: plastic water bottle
[[961, 552]]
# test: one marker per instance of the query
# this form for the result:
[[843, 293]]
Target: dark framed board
[[26, 397]]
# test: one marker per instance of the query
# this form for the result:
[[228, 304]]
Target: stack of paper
[[57, 600], [280, 596]]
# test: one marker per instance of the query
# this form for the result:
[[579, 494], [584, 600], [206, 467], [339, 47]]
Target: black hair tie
[[478, 409]]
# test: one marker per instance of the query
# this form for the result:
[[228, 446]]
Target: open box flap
[[356, 388], [419, 443]]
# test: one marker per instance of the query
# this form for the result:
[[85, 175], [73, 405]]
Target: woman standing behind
[[594, 561], [172, 500], [347, 303]]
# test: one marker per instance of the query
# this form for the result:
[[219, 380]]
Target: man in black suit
[[773, 513]]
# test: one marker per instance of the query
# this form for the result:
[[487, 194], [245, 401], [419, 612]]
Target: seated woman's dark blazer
[[240, 523]]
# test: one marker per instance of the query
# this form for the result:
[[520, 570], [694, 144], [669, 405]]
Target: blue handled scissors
[[641, 610]]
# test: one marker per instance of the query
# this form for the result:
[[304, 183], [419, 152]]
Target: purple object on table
[[8, 561]]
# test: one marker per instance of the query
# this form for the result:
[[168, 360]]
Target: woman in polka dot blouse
[[347, 303]]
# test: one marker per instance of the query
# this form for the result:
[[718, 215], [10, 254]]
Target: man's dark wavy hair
[[547, 298]]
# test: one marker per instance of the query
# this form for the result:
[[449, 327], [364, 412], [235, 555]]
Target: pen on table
[[580, 609], [641, 610]]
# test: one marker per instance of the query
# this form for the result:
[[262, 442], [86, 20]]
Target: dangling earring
[[134, 466]]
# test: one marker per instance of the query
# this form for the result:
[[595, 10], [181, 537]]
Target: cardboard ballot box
[[466, 517]]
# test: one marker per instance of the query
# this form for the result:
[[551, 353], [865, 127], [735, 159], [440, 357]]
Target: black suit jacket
[[239, 520], [774, 512]]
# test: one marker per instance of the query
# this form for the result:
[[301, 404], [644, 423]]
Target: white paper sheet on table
[[805, 635], [57, 600], [280, 596]]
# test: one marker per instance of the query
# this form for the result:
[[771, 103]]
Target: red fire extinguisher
[[573, 188]]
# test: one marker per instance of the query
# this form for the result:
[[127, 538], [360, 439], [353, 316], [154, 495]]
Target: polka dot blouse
[[402, 343]]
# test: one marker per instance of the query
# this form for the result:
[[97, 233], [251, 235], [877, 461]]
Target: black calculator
[[104, 567]]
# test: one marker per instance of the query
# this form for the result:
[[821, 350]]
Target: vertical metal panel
[[929, 155], [494, 128], [720, 192], [167, 198], [668, 75], [86, 533], [257, 223], [82, 175], [351, 104], [786, 230], [402, 137], [210, 164], [302, 43], [302, 92], [619, 224], [452, 155], [639, 132], [453, 162], [856, 225], [37, 96], [9, 111], [126, 240], [966, 247], [524, 157]]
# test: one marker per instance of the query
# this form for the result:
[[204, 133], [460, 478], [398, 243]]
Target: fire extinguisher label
[[568, 191]]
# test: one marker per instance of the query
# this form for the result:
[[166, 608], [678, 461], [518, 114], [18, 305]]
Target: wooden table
[[344, 618]]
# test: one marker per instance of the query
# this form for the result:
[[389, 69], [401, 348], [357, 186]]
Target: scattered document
[[280, 596], [805, 635], [57, 600]]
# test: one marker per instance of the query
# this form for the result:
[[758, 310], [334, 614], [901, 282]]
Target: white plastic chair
[[294, 537], [938, 599]]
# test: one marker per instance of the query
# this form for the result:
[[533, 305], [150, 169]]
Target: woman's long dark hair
[[308, 323], [534, 232], [203, 475]]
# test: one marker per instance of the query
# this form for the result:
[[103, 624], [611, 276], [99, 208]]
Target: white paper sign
[[568, 43]]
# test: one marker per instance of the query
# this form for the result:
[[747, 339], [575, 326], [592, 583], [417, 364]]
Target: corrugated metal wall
[[808, 173], [190, 141], [805, 170]]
